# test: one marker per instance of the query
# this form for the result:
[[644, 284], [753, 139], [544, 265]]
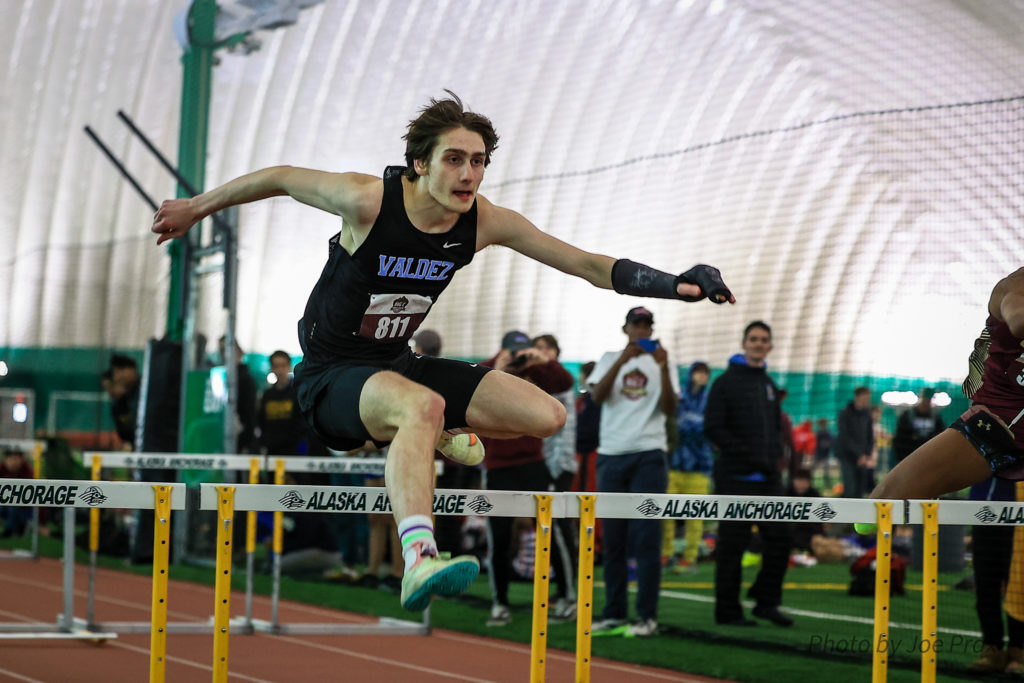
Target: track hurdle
[[72, 494], [310, 465], [228, 500], [731, 508], [932, 514], [36, 450], [97, 460]]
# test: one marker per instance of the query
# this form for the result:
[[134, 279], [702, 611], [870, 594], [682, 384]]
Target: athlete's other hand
[[173, 219]]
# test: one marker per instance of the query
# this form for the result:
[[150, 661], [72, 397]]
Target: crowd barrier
[[71, 494]]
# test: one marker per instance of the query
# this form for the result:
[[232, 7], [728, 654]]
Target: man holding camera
[[516, 464], [636, 389]]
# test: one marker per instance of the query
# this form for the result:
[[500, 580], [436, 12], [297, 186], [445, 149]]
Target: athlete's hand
[[708, 282], [689, 292], [173, 219]]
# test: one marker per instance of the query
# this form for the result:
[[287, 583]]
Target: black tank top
[[367, 305]]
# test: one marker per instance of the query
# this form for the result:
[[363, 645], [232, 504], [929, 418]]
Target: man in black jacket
[[743, 421], [916, 426], [854, 444]]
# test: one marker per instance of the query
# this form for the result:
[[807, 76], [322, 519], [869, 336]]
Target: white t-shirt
[[631, 417]]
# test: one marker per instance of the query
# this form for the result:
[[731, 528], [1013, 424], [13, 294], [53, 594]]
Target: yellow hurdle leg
[[94, 546], [883, 592], [94, 513], [250, 516], [158, 627], [929, 591], [585, 588], [541, 580], [222, 584]]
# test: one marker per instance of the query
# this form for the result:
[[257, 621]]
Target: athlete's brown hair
[[439, 117]]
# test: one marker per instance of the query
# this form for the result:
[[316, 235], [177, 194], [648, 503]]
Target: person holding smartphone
[[636, 388]]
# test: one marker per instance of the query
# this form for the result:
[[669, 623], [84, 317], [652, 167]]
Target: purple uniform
[[995, 385]]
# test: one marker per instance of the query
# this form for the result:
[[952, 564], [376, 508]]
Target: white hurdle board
[[964, 512], [371, 500], [738, 508]]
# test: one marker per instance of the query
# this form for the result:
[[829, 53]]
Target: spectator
[[790, 460], [823, 451], [804, 443], [15, 465], [427, 343], [993, 549], [516, 464], [309, 543], [915, 426], [383, 538], [282, 428], [691, 462], [883, 444], [246, 403], [804, 532], [854, 444], [743, 421], [560, 457], [588, 427], [124, 395], [636, 389]]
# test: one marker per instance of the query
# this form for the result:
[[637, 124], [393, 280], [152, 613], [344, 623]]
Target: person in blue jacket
[[690, 464]]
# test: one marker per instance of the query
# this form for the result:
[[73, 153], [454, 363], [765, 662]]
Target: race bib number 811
[[391, 317]]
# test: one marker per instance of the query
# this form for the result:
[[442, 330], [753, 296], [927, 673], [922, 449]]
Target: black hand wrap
[[630, 277], [709, 279]]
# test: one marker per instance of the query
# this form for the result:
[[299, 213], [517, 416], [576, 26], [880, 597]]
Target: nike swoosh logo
[[446, 245]]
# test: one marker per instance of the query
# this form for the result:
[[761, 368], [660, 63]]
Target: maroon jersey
[[996, 376]]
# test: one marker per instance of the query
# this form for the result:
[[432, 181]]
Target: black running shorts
[[328, 394], [993, 440]]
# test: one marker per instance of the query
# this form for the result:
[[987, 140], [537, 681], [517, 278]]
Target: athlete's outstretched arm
[[1011, 303], [338, 193], [498, 225]]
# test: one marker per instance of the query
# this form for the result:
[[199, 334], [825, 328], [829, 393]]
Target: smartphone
[[648, 345]]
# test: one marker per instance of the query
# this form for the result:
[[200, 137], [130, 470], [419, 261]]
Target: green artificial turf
[[828, 622]]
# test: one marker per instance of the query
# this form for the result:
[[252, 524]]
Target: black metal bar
[[120, 167], [182, 180]]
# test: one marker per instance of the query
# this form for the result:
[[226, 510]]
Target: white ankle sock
[[417, 535]]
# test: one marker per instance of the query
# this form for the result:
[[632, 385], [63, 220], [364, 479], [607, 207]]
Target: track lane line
[[19, 677], [381, 660], [188, 662]]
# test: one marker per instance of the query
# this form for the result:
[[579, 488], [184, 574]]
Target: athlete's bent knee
[[552, 418], [425, 407]]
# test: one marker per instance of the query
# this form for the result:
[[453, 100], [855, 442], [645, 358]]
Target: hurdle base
[[185, 627], [42, 631], [383, 626], [18, 554]]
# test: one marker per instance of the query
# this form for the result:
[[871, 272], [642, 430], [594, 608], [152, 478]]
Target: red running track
[[30, 591]]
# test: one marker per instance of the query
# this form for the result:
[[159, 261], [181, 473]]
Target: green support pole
[[195, 116]]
